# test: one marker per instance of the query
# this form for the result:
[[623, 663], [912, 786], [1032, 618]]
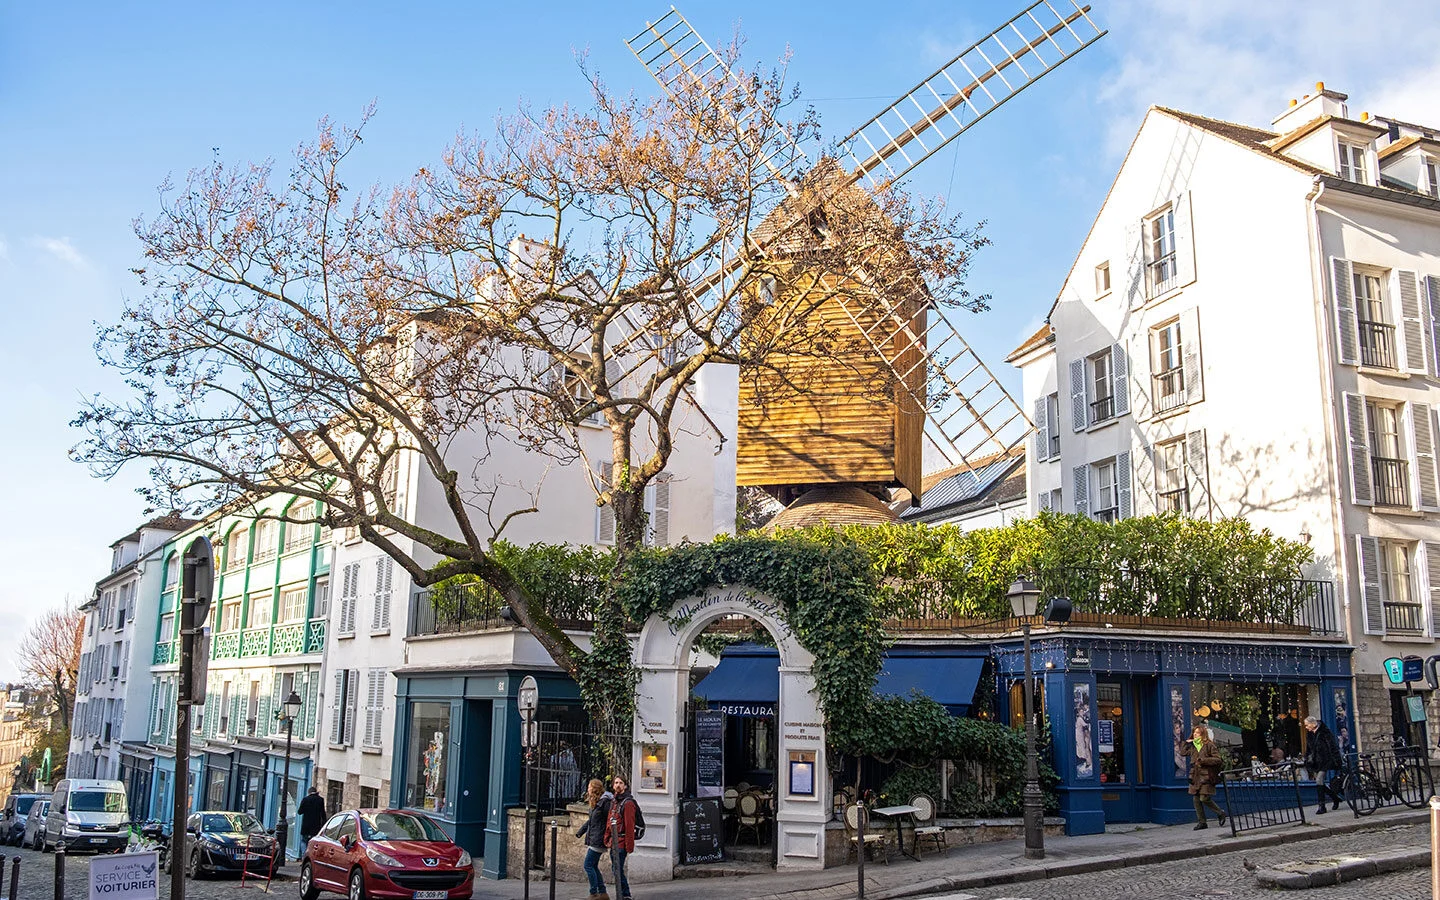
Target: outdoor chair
[[871, 841], [751, 817], [925, 827]]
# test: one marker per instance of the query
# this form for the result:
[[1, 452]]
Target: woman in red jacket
[[620, 831]]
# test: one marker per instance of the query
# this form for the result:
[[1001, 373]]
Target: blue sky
[[100, 102]]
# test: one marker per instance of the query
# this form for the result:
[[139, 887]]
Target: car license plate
[[431, 895], [254, 857], [97, 840]]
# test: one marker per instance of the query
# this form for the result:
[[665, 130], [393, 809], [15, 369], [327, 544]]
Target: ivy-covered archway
[[663, 654]]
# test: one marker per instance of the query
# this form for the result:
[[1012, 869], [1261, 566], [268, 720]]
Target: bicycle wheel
[[1362, 792], [1408, 783]]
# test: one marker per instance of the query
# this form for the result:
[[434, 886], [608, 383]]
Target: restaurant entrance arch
[[663, 655]]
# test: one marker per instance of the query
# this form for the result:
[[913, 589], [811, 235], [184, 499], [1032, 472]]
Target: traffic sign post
[[197, 582], [527, 700]]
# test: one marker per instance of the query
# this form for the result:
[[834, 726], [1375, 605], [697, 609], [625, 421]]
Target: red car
[[390, 853]]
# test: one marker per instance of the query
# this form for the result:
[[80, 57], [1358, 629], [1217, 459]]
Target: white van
[[88, 814]]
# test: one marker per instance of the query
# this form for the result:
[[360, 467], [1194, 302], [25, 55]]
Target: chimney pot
[[1319, 86], [1293, 101], [1364, 117]]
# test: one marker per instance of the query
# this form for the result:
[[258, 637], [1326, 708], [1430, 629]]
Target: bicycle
[[1365, 789]]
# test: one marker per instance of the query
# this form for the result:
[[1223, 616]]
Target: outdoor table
[[898, 813]]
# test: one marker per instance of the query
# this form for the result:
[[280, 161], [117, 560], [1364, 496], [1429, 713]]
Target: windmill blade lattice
[[967, 89]]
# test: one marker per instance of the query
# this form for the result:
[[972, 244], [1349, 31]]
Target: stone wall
[[570, 850], [1372, 710]]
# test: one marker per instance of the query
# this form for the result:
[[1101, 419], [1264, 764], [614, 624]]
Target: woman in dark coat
[[1323, 759], [1204, 774], [593, 831]]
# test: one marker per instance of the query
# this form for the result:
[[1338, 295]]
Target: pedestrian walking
[[1204, 774], [312, 816], [1323, 759], [593, 832], [620, 831]]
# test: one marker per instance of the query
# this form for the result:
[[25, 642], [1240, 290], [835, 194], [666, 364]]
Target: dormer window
[[1432, 178], [1352, 163]]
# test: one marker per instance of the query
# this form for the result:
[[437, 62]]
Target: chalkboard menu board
[[709, 753], [701, 832]]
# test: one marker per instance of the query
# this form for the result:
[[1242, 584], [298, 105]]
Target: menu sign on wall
[[709, 753]]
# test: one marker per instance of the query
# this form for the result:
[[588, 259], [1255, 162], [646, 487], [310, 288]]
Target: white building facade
[[1250, 330]]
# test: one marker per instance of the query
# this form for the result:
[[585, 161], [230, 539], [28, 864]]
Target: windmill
[[940, 392]]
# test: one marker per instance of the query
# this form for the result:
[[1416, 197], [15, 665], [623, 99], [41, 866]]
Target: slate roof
[[994, 479]]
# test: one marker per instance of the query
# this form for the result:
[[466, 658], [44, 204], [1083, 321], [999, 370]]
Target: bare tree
[[49, 656], [299, 337]]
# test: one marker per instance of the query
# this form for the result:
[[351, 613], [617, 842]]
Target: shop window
[[1017, 702], [1250, 720], [759, 743], [426, 761], [369, 797]]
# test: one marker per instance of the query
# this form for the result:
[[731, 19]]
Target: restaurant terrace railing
[[1129, 598], [475, 607]]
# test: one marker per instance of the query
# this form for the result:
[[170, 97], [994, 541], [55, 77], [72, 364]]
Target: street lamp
[[1024, 599], [95, 751], [288, 711]]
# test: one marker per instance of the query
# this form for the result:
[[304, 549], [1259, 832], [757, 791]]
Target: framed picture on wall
[[802, 772]]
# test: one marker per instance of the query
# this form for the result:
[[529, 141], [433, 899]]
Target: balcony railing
[[1391, 478], [1108, 514], [1377, 344], [1102, 409], [255, 642], [1169, 388], [165, 653], [475, 607], [1173, 500], [1404, 617], [225, 645], [1129, 598]]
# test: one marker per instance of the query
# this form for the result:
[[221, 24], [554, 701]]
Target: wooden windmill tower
[[900, 375]]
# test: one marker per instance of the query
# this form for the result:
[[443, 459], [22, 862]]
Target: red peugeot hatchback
[[389, 853]]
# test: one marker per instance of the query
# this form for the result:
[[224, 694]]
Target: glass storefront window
[[425, 761], [1251, 721]]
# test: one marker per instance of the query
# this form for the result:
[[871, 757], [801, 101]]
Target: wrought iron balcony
[[1391, 480], [1102, 409], [1173, 500], [1169, 389], [1404, 618], [1377, 344]]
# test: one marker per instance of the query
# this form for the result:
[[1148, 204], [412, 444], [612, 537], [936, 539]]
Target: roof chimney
[[1311, 106]]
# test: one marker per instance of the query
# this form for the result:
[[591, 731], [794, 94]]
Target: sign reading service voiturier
[[701, 830], [129, 876], [709, 753]]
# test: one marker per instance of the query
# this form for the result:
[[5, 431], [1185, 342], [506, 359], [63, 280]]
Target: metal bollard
[[1435, 848], [860, 847], [2, 870], [554, 828], [60, 871], [15, 878]]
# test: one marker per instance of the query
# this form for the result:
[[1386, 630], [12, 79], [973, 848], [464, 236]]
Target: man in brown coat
[[1204, 774]]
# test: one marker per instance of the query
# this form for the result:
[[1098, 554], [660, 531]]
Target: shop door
[[1117, 725]]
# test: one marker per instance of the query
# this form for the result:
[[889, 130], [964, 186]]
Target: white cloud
[[1241, 60], [63, 250]]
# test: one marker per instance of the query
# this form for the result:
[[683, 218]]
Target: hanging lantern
[[1204, 712], [1215, 705]]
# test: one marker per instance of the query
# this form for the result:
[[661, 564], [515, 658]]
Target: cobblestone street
[[37, 880]]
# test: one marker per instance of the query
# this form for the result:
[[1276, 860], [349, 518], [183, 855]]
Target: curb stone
[[1346, 870]]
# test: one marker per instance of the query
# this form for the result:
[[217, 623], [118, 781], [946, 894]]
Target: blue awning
[[747, 681]]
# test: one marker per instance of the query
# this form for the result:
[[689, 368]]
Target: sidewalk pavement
[[979, 865]]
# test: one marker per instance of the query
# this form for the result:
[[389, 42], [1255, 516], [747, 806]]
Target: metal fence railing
[[1259, 796]]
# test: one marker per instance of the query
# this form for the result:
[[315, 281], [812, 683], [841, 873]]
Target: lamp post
[[288, 711], [1024, 599], [95, 752]]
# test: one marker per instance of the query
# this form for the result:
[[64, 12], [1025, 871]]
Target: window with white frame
[[322, 598], [1052, 417], [1101, 387], [1372, 316], [1161, 262], [267, 539], [235, 548], [224, 708], [292, 603], [1389, 466], [1432, 177], [1106, 504], [172, 572], [167, 627], [1102, 278], [297, 535], [1172, 482], [1167, 366], [1398, 594], [1352, 163], [230, 615], [260, 609], [252, 710]]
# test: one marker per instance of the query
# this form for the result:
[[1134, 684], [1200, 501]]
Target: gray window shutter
[[1429, 568], [1342, 292], [1367, 554], [1184, 241], [660, 511], [312, 701], [1042, 431], [1042, 502], [1120, 378], [1190, 355], [337, 708], [1432, 302], [1198, 463], [1358, 435], [1078, 411], [384, 576], [1080, 488], [1122, 484], [1422, 439], [352, 698], [605, 515], [1413, 322]]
